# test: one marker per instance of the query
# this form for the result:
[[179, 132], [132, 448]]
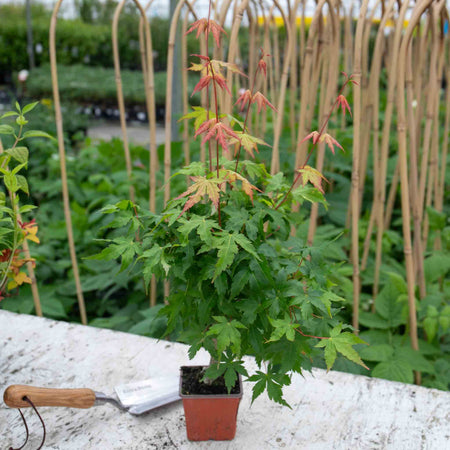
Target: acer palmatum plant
[[240, 283]]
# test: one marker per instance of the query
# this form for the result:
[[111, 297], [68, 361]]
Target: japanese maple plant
[[241, 282]]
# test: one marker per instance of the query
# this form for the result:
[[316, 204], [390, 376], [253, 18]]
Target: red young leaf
[[211, 26], [205, 126], [200, 26], [205, 58], [330, 141], [342, 102], [262, 65], [220, 80], [262, 101], [245, 99], [314, 135], [221, 132], [204, 81]]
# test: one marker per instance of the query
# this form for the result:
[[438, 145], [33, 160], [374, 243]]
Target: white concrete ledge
[[330, 411]]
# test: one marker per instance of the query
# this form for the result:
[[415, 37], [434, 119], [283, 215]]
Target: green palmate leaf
[[313, 176], [230, 377], [6, 129], [248, 142], [283, 327], [394, 370], [246, 244], [341, 342], [310, 194], [126, 248], [227, 334], [227, 251], [330, 355], [151, 259], [227, 243], [20, 154], [249, 309], [273, 382], [202, 226], [200, 115], [37, 133], [328, 297], [239, 280], [214, 371], [260, 386]]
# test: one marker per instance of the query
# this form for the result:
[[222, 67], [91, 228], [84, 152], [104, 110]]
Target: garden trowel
[[136, 398]]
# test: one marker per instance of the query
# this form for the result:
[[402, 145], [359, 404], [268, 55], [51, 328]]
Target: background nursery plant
[[241, 283], [14, 232]]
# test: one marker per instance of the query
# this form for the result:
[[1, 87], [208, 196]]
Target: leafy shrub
[[82, 83]]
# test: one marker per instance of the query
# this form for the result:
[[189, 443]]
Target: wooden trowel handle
[[71, 398]]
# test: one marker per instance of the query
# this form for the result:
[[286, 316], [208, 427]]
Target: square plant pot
[[210, 416]]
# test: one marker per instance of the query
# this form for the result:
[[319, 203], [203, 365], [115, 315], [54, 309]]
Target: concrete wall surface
[[329, 411]]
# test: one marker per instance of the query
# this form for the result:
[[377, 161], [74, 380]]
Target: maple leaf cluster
[[207, 26], [210, 187]]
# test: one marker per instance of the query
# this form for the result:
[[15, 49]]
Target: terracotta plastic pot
[[211, 416]]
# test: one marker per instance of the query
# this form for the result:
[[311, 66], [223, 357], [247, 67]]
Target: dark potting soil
[[191, 383]]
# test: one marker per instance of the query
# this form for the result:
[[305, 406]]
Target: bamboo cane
[[184, 81], [373, 106], [252, 54], [384, 217], [301, 149], [332, 68], [267, 90], [348, 46], [168, 124], [417, 244], [149, 86], [356, 162], [271, 63], [441, 175], [276, 57], [293, 74], [240, 9], [401, 127], [275, 164], [367, 102], [433, 177], [62, 160], [120, 99]]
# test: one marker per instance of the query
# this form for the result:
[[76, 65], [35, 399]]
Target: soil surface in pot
[[192, 384]]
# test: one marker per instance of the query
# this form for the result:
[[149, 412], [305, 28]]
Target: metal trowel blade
[[142, 396]]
